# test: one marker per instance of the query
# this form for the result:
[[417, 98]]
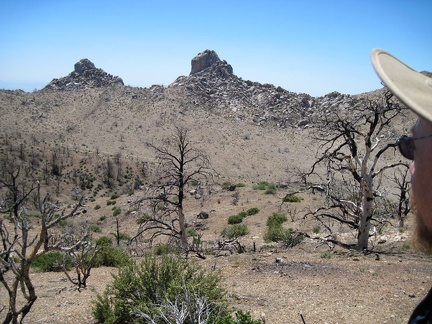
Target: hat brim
[[411, 87]]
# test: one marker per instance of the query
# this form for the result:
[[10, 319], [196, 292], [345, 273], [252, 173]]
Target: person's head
[[415, 91]]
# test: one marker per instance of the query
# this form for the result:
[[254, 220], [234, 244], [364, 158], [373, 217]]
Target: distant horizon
[[314, 47]]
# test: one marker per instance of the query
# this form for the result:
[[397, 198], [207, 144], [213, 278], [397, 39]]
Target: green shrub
[[292, 198], [240, 185], [235, 219], [95, 228], [191, 233], [137, 183], [261, 185], [114, 196], [240, 318], [122, 236], [111, 256], [148, 287], [326, 255], [166, 249], [51, 261], [291, 238], [252, 211], [97, 207], [116, 211], [226, 185], [270, 189], [276, 219], [104, 240], [235, 231], [275, 232]]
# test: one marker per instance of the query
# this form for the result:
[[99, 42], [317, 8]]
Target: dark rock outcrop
[[208, 62], [84, 76]]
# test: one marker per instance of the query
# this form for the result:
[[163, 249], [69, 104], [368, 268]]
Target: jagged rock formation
[[212, 84], [84, 76], [209, 59]]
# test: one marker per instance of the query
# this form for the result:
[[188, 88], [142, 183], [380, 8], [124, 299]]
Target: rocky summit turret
[[84, 76], [208, 61]]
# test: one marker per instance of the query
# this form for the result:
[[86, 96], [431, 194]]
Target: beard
[[422, 236]]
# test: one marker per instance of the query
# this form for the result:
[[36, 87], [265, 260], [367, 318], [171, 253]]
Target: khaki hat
[[411, 87]]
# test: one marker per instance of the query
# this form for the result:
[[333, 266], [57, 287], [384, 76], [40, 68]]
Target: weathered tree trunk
[[365, 220]]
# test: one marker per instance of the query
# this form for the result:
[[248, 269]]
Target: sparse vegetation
[[292, 198], [235, 219], [51, 262], [277, 233], [252, 211], [326, 255], [67, 167], [235, 231]]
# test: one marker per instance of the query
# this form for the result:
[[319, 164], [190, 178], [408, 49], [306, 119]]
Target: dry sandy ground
[[347, 288]]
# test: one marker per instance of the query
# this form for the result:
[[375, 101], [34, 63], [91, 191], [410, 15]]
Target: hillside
[[67, 133], [251, 131]]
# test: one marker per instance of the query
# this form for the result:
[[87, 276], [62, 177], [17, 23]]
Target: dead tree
[[400, 206], [22, 242], [350, 163], [179, 164], [82, 253]]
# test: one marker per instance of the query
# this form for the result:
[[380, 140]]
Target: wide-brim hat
[[411, 87]]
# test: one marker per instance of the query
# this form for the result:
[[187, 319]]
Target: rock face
[[84, 76], [210, 60]]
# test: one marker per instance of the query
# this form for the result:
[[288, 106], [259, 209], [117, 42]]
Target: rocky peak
[[84, 65], [84, 76], [209, 61], [212, 84]]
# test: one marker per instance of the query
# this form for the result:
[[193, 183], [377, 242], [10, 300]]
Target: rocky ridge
[[213, 84], [84, 76]]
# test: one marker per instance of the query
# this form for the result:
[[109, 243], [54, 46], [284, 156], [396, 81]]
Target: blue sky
[[313, 47]]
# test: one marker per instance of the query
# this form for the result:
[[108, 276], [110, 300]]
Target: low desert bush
[[235, 219], [291, 238], [149, 291], [252, 211], [51, 262], [116, 211], [261, 185], [292, 199], [277, 233], [235, 231], [110, 255], [276, 219], [166, 249], [95, 228], [326, 255]]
